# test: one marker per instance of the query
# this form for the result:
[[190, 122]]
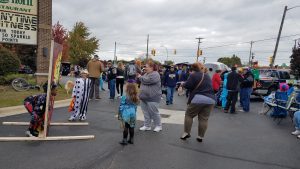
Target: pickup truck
[[269, 80]]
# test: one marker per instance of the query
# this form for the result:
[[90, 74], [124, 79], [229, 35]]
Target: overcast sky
[[174, 24]]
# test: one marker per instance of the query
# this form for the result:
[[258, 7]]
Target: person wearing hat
[[95, 68], [36, 107], [170, 81], [80, 95]]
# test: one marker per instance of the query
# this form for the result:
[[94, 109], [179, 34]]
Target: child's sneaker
[[123, 142], [71, 118], [298, 136], [144, 128], [297, 132], [28, 134]]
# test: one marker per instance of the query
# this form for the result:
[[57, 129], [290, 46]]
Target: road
[[240, 141]]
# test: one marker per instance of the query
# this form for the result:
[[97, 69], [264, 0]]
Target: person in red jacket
[[216, 81]]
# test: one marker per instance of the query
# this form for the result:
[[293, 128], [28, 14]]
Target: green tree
[[169, 62], [230, 61], [295, 62], [81, 45], [9, 62]]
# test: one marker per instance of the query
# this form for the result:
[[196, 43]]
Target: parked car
[[65, 68], [269, 81], [25, 70]]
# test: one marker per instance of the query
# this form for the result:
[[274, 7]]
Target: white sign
[[18, 21]]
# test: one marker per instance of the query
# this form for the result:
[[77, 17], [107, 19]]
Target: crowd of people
[[144, 85]]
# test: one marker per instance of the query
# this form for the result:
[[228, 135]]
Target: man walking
[[171, 79], [233, 80], [95, 68]]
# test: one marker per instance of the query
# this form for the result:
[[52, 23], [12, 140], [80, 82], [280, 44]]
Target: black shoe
[[130, 141], [184, 137], [233, 112], [199, 139], [103, 89], [123, 142]]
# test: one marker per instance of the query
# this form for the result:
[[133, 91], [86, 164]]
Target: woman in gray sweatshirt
[[150, 96]]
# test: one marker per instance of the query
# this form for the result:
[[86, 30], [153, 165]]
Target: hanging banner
[[18, 21]]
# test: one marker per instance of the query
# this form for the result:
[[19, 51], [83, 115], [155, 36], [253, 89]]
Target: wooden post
[[48, 91]]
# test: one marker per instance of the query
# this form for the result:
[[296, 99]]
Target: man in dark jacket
[[111, 77], [246, 90], [171, 79], [233, 80]]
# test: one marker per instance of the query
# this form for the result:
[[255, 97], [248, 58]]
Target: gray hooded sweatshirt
[[150, 87]]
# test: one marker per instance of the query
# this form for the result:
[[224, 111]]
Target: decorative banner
[[54, 68], [18, 21]]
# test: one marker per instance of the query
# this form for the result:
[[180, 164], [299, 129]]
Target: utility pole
[[198, 47], [279, 34], [147, 54], [115, 54], [250, 54]]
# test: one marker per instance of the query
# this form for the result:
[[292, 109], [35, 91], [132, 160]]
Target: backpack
[[131, 70]]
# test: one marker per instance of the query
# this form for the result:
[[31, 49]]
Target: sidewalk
[[15, 110]]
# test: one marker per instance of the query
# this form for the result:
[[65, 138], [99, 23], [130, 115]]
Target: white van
[[213, 66]]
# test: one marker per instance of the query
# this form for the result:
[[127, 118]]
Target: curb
[[15, 110]]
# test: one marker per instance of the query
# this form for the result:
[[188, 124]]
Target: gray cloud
[[176, 23]]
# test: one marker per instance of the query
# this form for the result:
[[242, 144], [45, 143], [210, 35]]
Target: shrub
[[7, 79], [9, 62]]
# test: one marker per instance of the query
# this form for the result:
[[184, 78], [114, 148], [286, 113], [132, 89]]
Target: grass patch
[[10, 97]]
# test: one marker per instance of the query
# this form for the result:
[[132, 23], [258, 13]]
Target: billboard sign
[[18, 21]]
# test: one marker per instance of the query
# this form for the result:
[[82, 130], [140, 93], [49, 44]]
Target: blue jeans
[[112, 88], [170, 94], [297, 120], [245, 98]]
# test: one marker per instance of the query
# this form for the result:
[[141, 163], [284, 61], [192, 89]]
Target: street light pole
[[250, 54], [115, 54], [166, 52], [198, 47], [147, 54], [279, 33]]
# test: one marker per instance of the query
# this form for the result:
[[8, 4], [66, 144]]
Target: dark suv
[[269, 81]]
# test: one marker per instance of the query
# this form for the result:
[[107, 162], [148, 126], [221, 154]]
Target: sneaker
[[157, 129], [298, 137], [296, 133], [144, 128], [28, 134], [130, 141], [97, 98], [71, 118], [118, 95], [199, 139], [83, 118], [185, 136], [123, 142]]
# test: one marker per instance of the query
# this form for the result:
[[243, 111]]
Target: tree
[[81, 46], [60, 35], [9, 62], [169, 62], [295, 62], [230, 61]]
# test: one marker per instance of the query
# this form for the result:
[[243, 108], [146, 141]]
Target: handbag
[[190, 98]]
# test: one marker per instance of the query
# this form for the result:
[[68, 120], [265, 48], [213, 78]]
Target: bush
[[7, 79], [9, 62]]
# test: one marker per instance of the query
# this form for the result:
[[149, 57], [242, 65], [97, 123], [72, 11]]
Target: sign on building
[[18, 21]]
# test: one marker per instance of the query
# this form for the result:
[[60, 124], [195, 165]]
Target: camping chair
[[269, 103], [295, 104], [280, 109]]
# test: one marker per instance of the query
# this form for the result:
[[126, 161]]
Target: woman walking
[[120, 78], [150, 96], [201, 101]]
